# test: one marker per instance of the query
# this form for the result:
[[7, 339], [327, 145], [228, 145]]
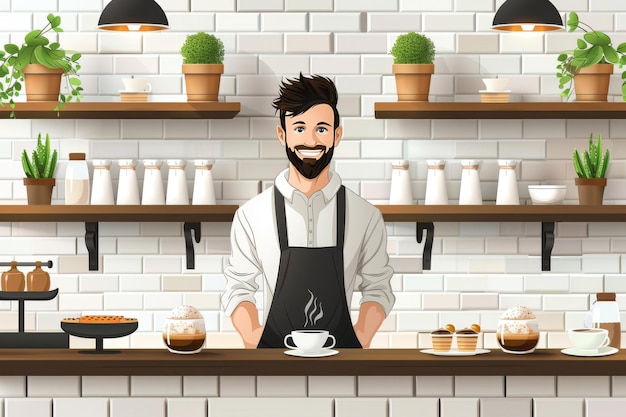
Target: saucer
[[455, 352], [320, 354], [604, 351]]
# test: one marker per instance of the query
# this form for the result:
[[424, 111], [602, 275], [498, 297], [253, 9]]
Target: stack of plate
[[487, 96], [133, 96]]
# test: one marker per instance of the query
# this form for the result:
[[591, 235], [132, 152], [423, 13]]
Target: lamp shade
[[133, 15], [527, 16]]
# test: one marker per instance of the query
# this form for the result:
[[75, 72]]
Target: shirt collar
[[288, 190]]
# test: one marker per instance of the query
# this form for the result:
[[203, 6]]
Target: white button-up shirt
[[311, 222]]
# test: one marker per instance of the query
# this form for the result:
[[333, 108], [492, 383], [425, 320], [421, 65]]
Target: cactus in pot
[[39, 171], [591, 170]]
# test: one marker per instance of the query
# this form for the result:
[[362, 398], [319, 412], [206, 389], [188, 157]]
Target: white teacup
[[137, 85], [590, 339], [495, 84], [310, 340]]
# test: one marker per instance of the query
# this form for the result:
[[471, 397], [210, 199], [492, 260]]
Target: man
[[308, 238]]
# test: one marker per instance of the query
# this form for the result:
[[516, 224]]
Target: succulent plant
[[413, 48], [202, 48], [593, 164], [42, 164]]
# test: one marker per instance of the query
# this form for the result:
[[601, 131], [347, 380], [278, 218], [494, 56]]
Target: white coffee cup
[[309, 340], [136, 85], [590, 339], [495, 84]]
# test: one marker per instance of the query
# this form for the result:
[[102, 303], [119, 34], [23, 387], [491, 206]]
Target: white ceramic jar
[[203, 187], [436, 192], [177, 193], [400, 192], [152, 191], [507, 193], [470, 183], [102, 190], [127, 188], [77, 180]]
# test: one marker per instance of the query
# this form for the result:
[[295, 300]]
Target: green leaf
[[595, 55], [57, 30], [56, 22], [55, 45], [28, 168], [610, 54], [42, 57], [572, 22], [50, 17], [74, 81], [75, 57], [11, 48], [562, 57], [621, 47], [24, 57], [581, 44], [597, 38]]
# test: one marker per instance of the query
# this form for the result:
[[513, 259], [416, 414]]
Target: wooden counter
[[275, 362]]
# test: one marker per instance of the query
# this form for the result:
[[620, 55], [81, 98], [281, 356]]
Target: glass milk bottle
[[127, 188], [605, 315], [400, 183], [507, 193], [176, 183], [436, 192], [102, 190], [152, 192], [77, 180], [470, 183], [203, 187]]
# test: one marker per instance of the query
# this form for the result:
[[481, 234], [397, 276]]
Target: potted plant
[[39, 170], [413, 57], [591, 171], [40, 64], [203, 55], [590, 65]]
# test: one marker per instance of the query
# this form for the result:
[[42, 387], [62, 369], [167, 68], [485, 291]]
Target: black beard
[[309, 167]]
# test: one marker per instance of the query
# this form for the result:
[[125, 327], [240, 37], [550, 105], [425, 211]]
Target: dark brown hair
[[298, 95]]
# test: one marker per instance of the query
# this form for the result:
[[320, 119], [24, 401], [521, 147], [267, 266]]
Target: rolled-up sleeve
[[242, 267], [375, 271]]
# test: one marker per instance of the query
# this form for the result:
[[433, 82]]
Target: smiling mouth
[[310, 152]]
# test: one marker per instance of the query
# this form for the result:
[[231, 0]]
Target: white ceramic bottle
[[177, 193], [470, 183], [400, 192], [77, 180], [203, 187], [152, 192], [102, 190], [127, 188], [507, 193], [605, 315], [436, 192]]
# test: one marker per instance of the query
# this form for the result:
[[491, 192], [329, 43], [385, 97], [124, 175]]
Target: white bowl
[[547, 194], [495, 84]]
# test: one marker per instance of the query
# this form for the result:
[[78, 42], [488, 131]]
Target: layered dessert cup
[[441, 340], [184, 331], [518, 331], [466, 340]]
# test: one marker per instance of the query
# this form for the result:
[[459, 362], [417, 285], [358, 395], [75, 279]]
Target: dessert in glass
[[518, 330], [441, 340], [184, 331], [467, 339]]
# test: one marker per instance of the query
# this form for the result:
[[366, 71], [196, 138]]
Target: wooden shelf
[[494, 213], [114, 213], [126, 110], [538, 110], [351, 362]]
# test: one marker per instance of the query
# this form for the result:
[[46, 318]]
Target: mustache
[[309, 148]]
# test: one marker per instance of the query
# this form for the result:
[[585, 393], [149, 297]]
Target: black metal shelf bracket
[[187, 228], [429, 228], [547, 243], [91, 241]]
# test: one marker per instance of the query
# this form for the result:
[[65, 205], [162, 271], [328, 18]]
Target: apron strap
[[281, 219]]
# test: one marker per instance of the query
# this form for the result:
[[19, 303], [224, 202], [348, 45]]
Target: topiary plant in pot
[[203, 55], [413, 66], [41, 65], [591, 170], [39, 170], [590, 65]]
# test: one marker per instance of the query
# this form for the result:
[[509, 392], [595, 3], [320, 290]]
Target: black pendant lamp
[[133, 15], [527, 16]]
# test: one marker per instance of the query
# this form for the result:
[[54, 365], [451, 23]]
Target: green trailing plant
[[595, 47], [37, 49], [42, 163], [413, 48], [594, 163], [202, 48]]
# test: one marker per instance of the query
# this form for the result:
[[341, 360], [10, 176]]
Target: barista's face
[[309, 139]]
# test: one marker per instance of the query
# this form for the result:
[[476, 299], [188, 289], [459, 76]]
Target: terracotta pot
[[592, 83], [413, 81], [39, 190], [42, 83], [590, 191], [13, 279], [202, 81], [37, 279]]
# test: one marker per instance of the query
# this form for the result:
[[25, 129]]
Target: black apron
[[310, 289]]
